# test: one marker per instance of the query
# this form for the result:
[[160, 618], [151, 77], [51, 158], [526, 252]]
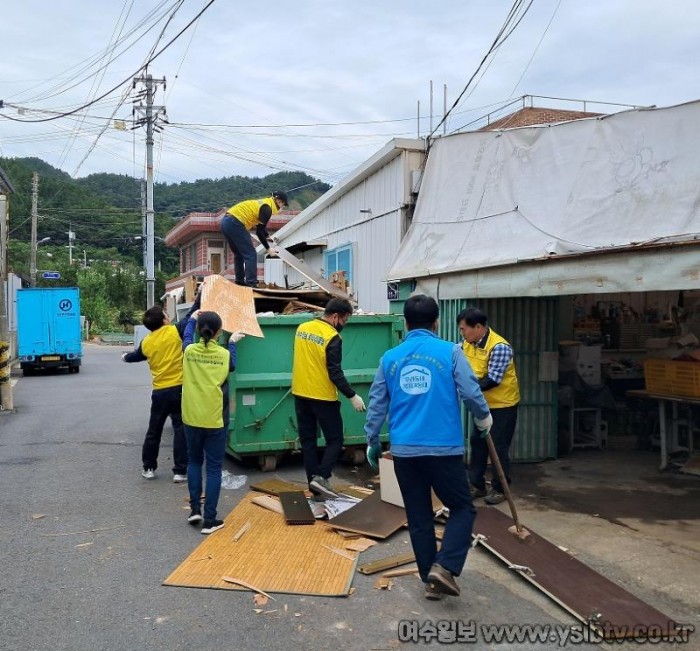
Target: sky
[[258, 87]]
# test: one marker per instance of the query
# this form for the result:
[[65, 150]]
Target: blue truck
[[48, 329]]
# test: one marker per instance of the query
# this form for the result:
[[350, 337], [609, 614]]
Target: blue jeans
[[245, 259], [502, 430], [201, 442], [447, 476]]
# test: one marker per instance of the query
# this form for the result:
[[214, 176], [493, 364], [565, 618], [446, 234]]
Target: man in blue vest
[[420, 385]]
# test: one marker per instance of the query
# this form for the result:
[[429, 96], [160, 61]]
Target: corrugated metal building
[[517, 222], [357, 226]]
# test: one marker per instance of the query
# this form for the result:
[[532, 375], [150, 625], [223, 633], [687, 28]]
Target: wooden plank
[[275, 486], [313, 276], [296, 508], [370, 517], [588, 596], [386, 563]]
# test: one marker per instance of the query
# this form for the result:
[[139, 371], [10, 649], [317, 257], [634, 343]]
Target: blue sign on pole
[[51, 275]]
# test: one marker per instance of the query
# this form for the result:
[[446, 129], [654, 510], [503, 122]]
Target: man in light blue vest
[[420, 384]]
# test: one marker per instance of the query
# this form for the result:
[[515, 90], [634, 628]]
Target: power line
[[111, 90]]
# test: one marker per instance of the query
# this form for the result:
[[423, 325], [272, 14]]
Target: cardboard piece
[[233, 303]]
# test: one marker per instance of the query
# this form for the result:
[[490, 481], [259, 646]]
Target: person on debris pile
[[236, 224], [419, 384], [491, 359], [317, 376], [206, 367], [162, 348]]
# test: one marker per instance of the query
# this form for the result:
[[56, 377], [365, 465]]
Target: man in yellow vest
[[236, 224], [491, 359], [317, 376]]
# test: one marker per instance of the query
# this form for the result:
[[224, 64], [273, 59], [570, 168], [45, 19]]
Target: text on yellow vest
[[310, 373], [206, 368]]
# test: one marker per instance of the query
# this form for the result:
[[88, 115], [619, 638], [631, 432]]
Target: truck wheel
[[76, 369]]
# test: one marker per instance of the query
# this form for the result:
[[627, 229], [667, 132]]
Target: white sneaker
[[148, 474], [179, 479]]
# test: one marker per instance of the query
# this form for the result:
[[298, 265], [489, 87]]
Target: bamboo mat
[[271, 555]]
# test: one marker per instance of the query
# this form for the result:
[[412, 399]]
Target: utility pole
[[71, 237], [150, 114], [35, 219], [6, 401], [143, 223]]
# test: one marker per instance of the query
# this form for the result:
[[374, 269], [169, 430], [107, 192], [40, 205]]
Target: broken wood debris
[[268, 502], [240, 533], [387, 563], [245, 584]]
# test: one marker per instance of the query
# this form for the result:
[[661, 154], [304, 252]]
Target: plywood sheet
[[275, 486], [273, 556], [587, 595], [233, 303], [371, 517]]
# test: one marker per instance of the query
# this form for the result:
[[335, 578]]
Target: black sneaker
[[322, 486], [195, 516], [210, 526]]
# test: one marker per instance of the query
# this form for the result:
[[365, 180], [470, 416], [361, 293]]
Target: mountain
[[103, 211]]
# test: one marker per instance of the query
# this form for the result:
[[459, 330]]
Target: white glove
[[358, 404], [484, 424], [236, 337]]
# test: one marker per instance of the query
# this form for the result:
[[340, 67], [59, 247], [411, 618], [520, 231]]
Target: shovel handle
[[504, 482]]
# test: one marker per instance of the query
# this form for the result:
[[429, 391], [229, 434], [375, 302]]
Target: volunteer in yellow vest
[[162, 348], [317, 376], [206, 367], [236, 224], [491, 359]]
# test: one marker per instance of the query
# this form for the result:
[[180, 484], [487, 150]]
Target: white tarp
[[495, 198]]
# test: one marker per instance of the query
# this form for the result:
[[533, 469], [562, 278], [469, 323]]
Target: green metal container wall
[[530, 325], [263, 419]]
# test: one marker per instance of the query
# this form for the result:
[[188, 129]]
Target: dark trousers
[[210, 444], [245, 259], [165, 403], [504, 419], [447, 476], [310, 415]]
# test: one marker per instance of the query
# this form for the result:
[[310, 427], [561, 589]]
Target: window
[[339, 259]]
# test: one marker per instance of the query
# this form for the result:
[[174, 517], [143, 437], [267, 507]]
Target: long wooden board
[[587, 595], [309, 273]]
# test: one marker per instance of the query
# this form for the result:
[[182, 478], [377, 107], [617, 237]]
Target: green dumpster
[[263, 420]]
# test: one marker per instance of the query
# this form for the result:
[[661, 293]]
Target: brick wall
[[529, 116]]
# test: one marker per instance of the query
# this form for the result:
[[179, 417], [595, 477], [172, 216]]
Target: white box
[[389, 490]]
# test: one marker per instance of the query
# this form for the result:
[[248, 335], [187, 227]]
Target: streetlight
[[32, 260]]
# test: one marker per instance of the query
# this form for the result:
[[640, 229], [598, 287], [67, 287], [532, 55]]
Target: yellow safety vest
[[309, 371], [163, 348], [247, 212], [507, 393], [205, 370]]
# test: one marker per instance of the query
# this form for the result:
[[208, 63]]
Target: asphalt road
[[86, 543]]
